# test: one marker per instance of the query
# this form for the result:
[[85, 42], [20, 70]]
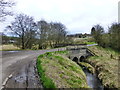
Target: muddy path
[[26, 77], [19, 69]]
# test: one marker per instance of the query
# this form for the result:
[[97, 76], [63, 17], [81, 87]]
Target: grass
[[60, 71], [83, 41], [88, 66], [89, 43], [8, 47], [106, 63], [47, 82], [11, 47]]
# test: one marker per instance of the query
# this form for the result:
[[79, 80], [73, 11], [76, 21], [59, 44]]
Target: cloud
[[77, 15]]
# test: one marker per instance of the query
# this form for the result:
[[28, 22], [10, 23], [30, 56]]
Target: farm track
[[18, 69]]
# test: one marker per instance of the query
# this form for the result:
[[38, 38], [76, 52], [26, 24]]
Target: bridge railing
[[76, 47]]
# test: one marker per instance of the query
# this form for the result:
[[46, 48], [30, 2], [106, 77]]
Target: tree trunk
[[23, 46]]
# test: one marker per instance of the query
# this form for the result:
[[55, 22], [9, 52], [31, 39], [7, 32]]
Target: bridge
[[79, 53]]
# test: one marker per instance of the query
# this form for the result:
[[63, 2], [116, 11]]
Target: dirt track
[[19, 69]]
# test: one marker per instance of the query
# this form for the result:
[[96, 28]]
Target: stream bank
[[92, 78], [106, 64]]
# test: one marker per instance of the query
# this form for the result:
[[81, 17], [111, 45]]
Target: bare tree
[[43, 33], [4, 9], [25, 28], [51, 34], [59, 33]]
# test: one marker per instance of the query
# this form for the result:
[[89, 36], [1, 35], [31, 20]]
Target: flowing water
[[93, 80]]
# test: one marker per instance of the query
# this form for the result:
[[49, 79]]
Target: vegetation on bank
[[106, 64], [56, 70], [8, 47], [46, 81], [12, 47], [109, 39], [83, 41], [88, 66], [89, 43]]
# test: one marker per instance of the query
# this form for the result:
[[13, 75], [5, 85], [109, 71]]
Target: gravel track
[[19, 68]]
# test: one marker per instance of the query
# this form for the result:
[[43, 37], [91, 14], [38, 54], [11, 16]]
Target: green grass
[[88, 66], [83, 41], [46, 81], [60, 71], [90, 43], [106, 63]]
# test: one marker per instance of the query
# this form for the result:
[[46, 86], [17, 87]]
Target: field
[[56, 70], [83, 41], [8, 47], [106, 63]]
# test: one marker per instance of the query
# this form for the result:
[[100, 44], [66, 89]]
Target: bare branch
[[4, 5]]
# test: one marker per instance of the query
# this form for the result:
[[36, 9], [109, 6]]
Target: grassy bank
[[88, 66], [106, 63], [83, 41], [56, 70], [8, 47]]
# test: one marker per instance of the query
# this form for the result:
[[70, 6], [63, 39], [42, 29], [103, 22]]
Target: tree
[[60, 33], [51, 34], [4, 5], [97, 31], [114, 32], [5, 39], [25, 28], [43, 33], [105, 40], [92, 31]]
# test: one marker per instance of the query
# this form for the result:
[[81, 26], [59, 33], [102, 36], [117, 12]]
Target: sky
[[79, 16]]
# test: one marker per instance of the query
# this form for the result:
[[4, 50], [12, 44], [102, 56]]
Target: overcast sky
[[77, 15]]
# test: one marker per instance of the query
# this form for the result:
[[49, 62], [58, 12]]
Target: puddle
[[13, 51], [21, 78]]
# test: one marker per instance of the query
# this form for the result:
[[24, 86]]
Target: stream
[[92, 80]]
